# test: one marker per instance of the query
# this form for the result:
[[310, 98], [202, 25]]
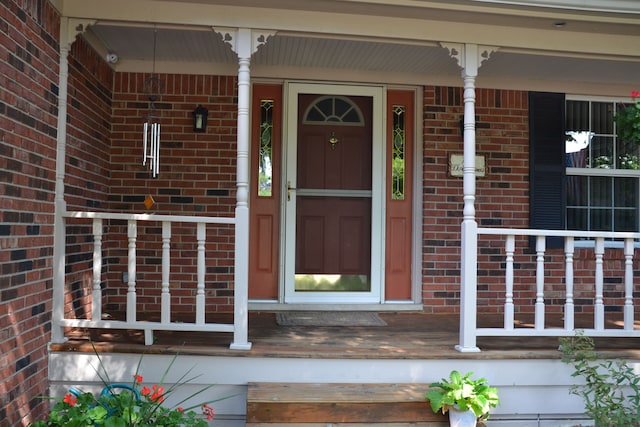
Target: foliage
[[463, 393], [611, 389], [628, 120], [628, 161], [121, 405]]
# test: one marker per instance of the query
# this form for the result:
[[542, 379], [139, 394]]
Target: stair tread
[[335, 392]]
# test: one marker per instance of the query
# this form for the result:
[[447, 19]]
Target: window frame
[[598, 172]]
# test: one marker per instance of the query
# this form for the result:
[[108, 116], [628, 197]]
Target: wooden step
[[312, 405]]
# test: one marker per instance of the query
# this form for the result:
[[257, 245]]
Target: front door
[[332, 195]]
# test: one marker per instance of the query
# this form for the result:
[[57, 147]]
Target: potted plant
[[465, 399], [130, 405]]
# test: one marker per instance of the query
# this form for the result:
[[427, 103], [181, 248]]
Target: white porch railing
[[132, 309], [624, 241]]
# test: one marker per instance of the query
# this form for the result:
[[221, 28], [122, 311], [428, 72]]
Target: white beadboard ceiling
[[187, 45]]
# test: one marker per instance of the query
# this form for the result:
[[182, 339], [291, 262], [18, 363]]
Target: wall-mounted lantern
[[200, 115]]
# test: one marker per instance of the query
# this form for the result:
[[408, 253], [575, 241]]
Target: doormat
[[329, 318]]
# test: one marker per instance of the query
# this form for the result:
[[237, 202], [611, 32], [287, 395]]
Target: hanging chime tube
[[144, 143]]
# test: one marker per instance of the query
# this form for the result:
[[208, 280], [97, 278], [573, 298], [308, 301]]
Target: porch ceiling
[[316, 39]]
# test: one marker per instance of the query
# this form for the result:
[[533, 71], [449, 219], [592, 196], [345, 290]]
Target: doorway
[[333, 219]]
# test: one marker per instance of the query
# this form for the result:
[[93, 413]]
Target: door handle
[[289, 188]]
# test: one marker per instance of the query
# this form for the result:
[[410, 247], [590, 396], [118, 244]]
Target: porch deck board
[[406, 336]]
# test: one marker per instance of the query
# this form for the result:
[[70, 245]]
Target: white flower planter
[[462, 419]]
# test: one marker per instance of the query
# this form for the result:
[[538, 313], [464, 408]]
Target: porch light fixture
[[200, 115]]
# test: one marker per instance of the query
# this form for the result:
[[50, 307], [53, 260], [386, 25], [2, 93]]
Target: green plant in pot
[[461, 393]]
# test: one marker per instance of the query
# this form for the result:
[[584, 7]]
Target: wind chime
[[151, 128]]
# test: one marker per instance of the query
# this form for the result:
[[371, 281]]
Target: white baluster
[[599, 298], [510, 248], [165, 316], [131, 270], [540, 248], [569, 323], [200, 300], [96, 295], [628, 284]]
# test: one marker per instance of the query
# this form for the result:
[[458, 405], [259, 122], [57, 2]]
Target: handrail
[[558, 233], [150, 217]]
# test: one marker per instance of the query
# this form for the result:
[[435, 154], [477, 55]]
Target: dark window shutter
[[547, 163]]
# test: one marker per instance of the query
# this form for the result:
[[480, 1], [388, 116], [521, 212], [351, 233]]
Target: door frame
[[287, 290]]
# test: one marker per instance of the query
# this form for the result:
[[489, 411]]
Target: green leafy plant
[[611, 388], [628, 120], [121, 405], [463, 393]]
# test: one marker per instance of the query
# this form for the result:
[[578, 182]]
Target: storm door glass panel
[[399, 142], [265, 170], [333, 195]]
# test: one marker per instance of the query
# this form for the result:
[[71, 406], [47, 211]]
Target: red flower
[[635, 94], [157, 393], [137, 379], [208, 411], [180, 409], [70, 399], [145, 391]]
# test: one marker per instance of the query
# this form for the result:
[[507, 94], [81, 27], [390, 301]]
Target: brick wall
[[196, 177], [28, 115], [87, 170], [502, 196]]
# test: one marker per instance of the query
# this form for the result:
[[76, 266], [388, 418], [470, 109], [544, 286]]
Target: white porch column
[[469, 57], [69, 29], [244, 42]]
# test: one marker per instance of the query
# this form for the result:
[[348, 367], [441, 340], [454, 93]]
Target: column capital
[[71, 27], [244, 41], [469, 56]]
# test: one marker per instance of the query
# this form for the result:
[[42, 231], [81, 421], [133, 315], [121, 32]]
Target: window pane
[[399, 142], [627, 155], [601, 220], [602, 117], [577, 115], [577, 150], [602, 152], [626, 192], [577, 219], [626, 219], [265, 169], [600, 191], [577, 193]]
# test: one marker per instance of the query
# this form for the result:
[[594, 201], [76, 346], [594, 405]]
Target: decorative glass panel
[[337, 110], [265, 166], [397, 156]]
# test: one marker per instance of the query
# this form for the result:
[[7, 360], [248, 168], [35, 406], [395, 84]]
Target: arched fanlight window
[[337, 110]]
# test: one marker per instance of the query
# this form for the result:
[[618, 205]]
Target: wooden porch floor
[[406, 336]]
